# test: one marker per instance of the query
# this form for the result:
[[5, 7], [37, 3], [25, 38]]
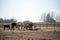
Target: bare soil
[[29, 35]]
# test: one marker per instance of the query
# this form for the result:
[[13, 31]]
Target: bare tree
[[1, 19], [57, 18], [43, 17], [50, 19]]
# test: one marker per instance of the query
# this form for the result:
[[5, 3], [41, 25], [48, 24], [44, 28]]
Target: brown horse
[[28, 25]]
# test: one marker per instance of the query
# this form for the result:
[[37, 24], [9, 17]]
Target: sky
[[28, 9]]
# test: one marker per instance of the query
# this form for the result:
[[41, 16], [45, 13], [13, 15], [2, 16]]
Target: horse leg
[[21, 27], [25, 28], [4, 27], [12, 28], [9, 27], [18, 27]]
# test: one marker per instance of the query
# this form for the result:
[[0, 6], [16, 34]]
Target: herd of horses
[[12, 26]]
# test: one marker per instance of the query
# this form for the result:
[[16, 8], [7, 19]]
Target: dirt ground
[[29, 35]]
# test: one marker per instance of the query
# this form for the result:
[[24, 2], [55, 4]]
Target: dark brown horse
[[13, 25], [6, 26]]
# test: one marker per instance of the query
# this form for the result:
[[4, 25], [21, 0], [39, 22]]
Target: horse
[[28, 26], [6, 26], [13, 25]]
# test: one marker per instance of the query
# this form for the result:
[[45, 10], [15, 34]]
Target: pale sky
[[27, 9]]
